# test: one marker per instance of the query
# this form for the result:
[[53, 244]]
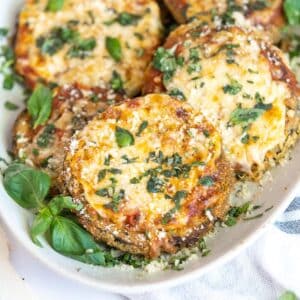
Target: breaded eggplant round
[[242, 84], [258, 11], [43, 147], [150, 175], [93, 43]]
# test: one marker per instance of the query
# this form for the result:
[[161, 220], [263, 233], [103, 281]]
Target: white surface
[[228, 243], [262, 272]]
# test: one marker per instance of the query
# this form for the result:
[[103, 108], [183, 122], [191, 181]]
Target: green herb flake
[[123, 137], [142, 127], [82, 48], [128, 160], [3, 32], [244, 116], [207, 181], [233, 88], [46, 136], [102, 174], [165, 61], [155, 185], [10, 105], [116, 82], [8, 82], [113, 46], [177, 94]]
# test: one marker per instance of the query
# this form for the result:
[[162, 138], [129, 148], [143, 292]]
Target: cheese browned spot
[[147, 171], [71, 45], [43, 147], [242, 84]]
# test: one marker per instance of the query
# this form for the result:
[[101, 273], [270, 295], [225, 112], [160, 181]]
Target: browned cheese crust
[[159, 193]]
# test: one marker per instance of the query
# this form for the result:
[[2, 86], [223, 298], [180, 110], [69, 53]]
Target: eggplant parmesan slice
[[43, 147], [258, 11], [150, 175], [241, 83], [93, 43]]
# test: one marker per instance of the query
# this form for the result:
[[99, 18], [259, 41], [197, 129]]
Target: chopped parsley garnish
[[46, 136], [107, 160], [142, 127], [178, 94], [7, 58], [10, 106], [56, 39], [233, 88], [194, 58], [128, 160], [206, 181], [177, 198], [3, 31], [235, 212], [155, 185], [246, 116], [125, 19], [102, 174], [116, 82], [113, 46], [165, 61], [82, 48], [111, 193], [203, 248], [123, 137]]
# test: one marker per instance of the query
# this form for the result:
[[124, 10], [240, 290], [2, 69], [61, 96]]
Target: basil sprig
[[55, 5], [29, 188], [39, 105], [292, 11]]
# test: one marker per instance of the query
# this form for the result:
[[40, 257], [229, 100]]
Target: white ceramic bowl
[[228, 242]]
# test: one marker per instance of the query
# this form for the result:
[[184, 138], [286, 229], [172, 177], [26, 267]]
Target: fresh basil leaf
[[41, 224], [69, 239], [123, 137], [288, 295], [39, 105], [27, 186], [55, 5], [58, 203], [292, 11], [113, 47]]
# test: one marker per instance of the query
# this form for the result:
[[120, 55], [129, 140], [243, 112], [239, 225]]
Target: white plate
[[228, 242]]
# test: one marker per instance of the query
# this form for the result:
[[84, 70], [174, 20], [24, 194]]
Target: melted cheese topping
[[173, 128], [91, 19], [233, 73]]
